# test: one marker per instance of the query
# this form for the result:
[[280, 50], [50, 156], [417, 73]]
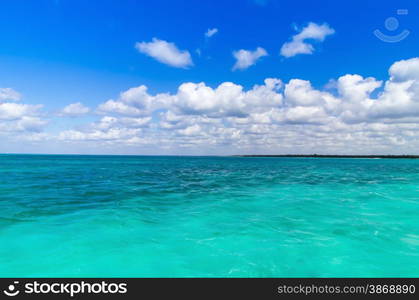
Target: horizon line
[[313, 155]]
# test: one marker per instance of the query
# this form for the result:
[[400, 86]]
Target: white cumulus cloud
[[19, 122], [14, 111], [247, 58], [74, 110], [9, 94], [166, 53], [210, 32], [299, 43]]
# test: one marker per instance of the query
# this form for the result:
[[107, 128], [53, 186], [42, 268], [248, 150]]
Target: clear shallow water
[[116, 216]]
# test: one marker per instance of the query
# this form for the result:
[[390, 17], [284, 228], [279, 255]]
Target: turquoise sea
[[136, 216]]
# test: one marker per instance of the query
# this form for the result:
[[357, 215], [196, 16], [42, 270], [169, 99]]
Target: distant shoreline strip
[[332, 156]]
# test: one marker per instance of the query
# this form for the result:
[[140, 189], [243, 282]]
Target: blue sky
[[59, 52]]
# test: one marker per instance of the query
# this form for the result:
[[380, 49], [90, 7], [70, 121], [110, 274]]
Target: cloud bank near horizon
[[357, 115]]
